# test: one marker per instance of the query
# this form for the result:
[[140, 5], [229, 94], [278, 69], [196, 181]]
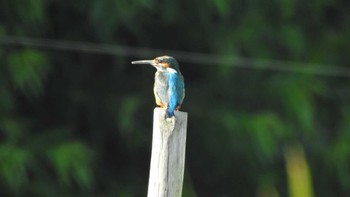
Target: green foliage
[[294, 40], [13, 165], [79, 124], [298, 102], [268, 129], [72, 161], [27, 69]]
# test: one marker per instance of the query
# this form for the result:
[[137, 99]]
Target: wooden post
[[168, 154]]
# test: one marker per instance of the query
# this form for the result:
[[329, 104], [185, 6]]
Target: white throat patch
[[171, 70]]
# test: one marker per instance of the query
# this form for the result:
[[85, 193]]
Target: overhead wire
[[190, 57]]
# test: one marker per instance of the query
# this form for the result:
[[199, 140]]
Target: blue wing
[[176, 92]]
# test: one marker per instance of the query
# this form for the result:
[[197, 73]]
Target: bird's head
[[162, 64]]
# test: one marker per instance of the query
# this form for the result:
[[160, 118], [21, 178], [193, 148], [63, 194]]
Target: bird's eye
[[159, 61]]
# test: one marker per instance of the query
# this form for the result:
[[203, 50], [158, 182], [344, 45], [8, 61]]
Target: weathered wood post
[[168, 154]]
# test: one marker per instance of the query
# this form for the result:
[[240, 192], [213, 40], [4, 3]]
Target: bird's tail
[[169, 113]]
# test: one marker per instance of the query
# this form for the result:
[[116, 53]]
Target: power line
[[190, 57]]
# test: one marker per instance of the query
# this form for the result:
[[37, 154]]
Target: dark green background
[[78, 123]]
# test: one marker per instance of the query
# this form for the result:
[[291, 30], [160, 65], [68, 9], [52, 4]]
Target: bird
[[169, 85]]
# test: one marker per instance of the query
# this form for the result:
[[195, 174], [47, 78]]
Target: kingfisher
[[169, 85]]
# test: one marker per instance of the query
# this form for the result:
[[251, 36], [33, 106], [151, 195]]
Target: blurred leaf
[[294, 39], [298, 100], [72, 160], [14, 162], [268, 130], [223, 6], [231, 122], [339, 157], [28, 69], [267, 190], [36, 9], [299, 176], [29, 12]]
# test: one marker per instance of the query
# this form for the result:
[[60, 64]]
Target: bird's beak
[[143, 62], [151, 62]]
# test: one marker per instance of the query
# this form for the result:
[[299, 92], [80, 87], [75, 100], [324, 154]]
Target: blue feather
[[172, 93]]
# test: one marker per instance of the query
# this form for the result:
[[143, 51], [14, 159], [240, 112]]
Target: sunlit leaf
[[298, 171]]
